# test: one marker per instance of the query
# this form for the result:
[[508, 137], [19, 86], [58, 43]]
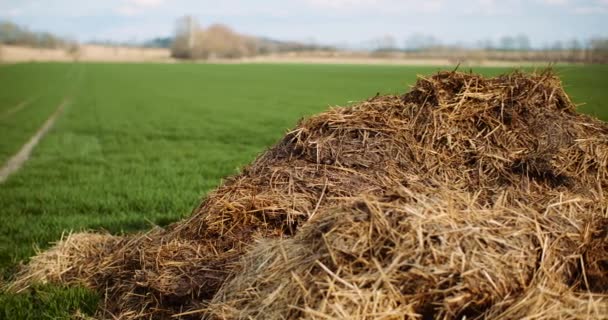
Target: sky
[[333, 22]]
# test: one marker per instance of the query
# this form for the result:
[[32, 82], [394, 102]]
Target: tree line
[[13, 34], [191, 41]]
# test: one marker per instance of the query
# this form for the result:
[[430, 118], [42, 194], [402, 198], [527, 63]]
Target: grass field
[[139, 144]]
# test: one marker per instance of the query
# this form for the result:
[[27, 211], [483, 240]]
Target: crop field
[[138, 145]]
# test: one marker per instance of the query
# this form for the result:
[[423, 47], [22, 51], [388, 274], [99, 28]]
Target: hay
[[420, 256], [75, 254], [466, 197]]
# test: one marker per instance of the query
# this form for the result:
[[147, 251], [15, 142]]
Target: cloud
[[490, 7], [555, 2], [377, 6], [431, 5], [586, 10], [342, 4], [136, 7], [128, 10], [597, 7], [14, 12], [147, 3], [487, 6]]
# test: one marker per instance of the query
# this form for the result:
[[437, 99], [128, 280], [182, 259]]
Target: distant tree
[[74, 51], [557, 46], [507, 43], [575, 48], [574, 45], [486, 44], [599, 44], [8, 32], [13, 34], [47, 40], [160, 42], [598, 49], [522, 42], [219, 41], [184, 39], [385, 43], [420, 42]]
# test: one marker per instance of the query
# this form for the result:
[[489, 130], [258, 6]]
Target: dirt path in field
[[16, 108], [17, 161]]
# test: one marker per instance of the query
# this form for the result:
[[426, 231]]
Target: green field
[[139, 144]]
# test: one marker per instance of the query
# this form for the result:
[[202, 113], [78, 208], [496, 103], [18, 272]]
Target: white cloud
[[591, 7], [490, 7], [147, 3], [431, 5], [591, 10], [377, 6], [342, 4], [136, 7], [555, 2], [128, 10], [14, 12], [487, 6]]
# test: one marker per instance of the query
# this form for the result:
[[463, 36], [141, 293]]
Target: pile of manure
[[468, 197]]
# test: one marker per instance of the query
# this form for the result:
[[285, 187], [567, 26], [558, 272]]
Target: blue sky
[[324, 21]]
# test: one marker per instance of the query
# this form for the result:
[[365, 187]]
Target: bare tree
[[386, 43], [13, 34], [74, 51], [575, 48], [557, 46], [184, 40], [420, 42], [522, 42], [507, 43], [598, 50], [219, 41]]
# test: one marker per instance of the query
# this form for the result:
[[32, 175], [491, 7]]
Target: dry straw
[[467, 197]]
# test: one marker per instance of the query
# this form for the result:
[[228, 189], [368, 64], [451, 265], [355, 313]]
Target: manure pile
[[466, 197]]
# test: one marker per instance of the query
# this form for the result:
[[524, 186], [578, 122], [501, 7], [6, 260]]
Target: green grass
[[40, 88], [48, 302], [141, 143]]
